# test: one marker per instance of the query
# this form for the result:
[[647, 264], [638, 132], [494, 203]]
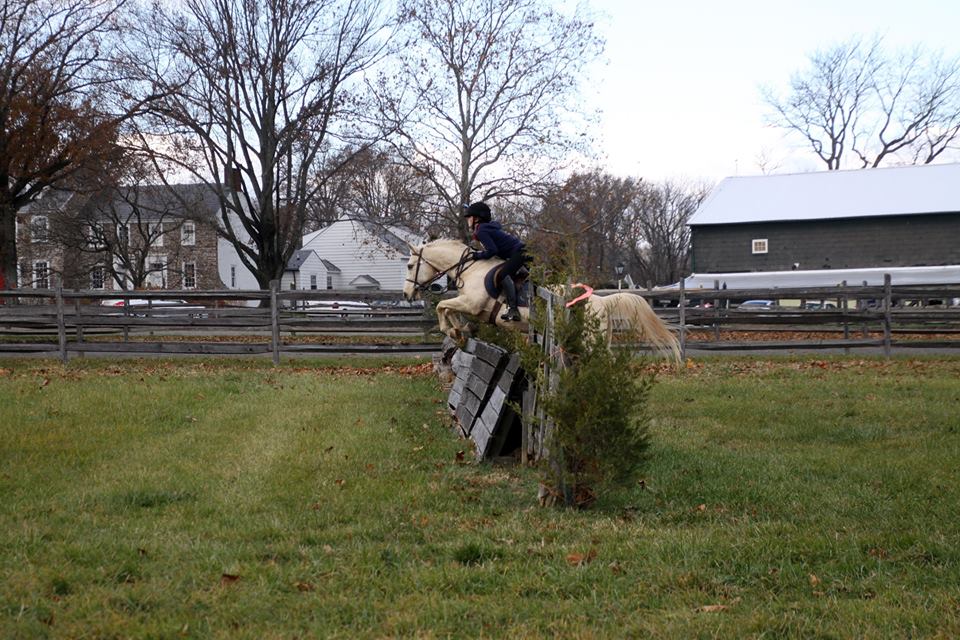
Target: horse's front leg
[[447, 309]]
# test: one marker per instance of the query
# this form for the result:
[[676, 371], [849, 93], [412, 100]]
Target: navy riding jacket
[[495, 241]]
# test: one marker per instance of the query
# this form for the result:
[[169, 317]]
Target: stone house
[[144, 237]]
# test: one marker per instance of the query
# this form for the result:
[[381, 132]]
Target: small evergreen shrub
[[597, 404]]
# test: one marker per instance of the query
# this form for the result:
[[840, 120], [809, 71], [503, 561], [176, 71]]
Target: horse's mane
[[445, 242]]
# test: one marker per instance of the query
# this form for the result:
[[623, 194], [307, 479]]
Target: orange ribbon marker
[[583, 296]]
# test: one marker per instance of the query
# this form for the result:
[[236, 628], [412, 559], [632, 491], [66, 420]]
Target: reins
[[461, 265]]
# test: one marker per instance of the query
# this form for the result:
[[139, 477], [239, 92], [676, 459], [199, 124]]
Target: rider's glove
[[477, 255]]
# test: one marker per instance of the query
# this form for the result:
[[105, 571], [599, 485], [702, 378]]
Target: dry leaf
[[581, 559], [304, 586], [814, 580], [711, 608], [701, 507], [460, 456], [228, 578]]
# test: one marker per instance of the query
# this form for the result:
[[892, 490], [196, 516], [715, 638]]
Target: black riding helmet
[[478, 210]]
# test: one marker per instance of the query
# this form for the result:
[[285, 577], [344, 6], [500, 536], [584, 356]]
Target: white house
[[362, 255], [305, 270]]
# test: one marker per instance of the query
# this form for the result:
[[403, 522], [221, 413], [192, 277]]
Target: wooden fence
[[848, 317], [884, 317], [28, 315]]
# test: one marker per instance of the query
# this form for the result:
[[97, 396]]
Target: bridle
[[461, 265]]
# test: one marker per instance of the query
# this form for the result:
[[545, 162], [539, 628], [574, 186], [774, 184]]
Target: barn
[[885, 218]]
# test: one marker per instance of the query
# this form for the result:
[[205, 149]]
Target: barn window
[[759, 246]]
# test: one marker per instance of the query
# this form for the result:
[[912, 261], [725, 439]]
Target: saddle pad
[[492, 283]]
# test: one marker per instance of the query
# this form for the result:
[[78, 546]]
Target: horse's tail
[[630, 311]]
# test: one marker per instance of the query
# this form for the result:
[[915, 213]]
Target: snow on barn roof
[[931, 188]]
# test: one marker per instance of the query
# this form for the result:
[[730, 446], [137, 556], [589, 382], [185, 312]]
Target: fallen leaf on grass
[[581, 559], [304, 586], [228, 579], [460, 456], [716, 608], [814, 580], [341, 483]]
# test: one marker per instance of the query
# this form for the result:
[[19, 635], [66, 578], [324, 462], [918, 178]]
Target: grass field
[[784, 498]]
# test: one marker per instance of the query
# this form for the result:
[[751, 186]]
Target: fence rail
[[707, 319], [75, 316]]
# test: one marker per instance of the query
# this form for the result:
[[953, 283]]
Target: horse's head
[[419, 271]]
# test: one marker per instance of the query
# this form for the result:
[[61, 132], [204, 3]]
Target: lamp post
[[619, 268]]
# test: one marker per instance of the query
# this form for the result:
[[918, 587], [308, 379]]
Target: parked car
[[757, 305], [345, 308], [397, 304], [141, 307]]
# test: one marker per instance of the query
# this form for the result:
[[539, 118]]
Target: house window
[[188, 234], [329, 282], [97, 277], [155, 233], [39, 229], [123, 234], [41, 275], [93, 233], [313, 281], [157, 273], [189, 275], [233, 276], [759, 246]]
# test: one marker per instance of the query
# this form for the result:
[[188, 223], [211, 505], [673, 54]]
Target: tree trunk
[[8, 247]]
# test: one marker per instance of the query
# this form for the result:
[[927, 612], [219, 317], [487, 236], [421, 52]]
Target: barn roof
[[823, 195]]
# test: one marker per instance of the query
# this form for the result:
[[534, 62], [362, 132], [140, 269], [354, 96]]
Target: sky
[[680, 90]]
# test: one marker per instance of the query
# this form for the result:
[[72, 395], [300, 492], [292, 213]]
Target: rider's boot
[[510, 293]]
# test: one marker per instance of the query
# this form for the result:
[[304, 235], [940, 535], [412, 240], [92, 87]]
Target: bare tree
[[485, 98], [855, 101], [372, 185], [259, 92], [57, 87], [579, 230], [656, 236]]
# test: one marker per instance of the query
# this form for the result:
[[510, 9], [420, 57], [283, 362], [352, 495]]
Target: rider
[[499, 243]]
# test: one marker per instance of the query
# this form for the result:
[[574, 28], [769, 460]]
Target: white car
[[141, 306], [345, 308]]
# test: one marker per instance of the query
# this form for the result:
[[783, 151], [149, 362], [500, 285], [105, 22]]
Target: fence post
[[530, 393], [681, 305], [126, 319], [716, 312], [887, 304], [842, 306], [274, 321], [79, 327], [61, 325]]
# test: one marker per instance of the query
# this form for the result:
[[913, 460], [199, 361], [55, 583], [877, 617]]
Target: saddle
[[491, 282]]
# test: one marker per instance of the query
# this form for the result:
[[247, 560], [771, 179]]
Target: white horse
[[433, 260]]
